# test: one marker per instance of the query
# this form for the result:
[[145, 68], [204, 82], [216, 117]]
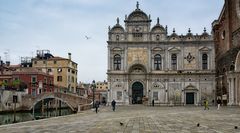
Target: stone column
[[232, 91], [109, 97], [229, 91], [183, 92], [125, 60], [198, 98], [166, 93], [147, 88], [127, 92], [109, 58], [235, 92], [230, 98]]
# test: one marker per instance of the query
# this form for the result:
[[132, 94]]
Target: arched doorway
[[137, 93]]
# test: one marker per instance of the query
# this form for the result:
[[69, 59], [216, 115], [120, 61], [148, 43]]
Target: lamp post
[[93, 90]]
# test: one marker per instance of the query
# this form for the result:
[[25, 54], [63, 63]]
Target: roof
[[138, 15], [54, 58]]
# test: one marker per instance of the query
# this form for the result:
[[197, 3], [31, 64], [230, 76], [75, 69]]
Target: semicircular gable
[[117, 49], [157, 49], [117, 29]]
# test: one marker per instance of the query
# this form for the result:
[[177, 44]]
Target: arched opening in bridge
[[50, 107]]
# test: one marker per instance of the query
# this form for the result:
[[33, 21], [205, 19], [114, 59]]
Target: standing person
[[153, 102], [96, 106], [218, 103], [113, 105], [206, 104]]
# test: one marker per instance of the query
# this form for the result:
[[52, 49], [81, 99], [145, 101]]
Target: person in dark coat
[[96, 106], [113, 104], [218, 103], [153, 102]]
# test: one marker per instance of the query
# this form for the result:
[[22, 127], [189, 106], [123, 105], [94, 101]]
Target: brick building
[[226, 30], [37, 81], [31, 80]]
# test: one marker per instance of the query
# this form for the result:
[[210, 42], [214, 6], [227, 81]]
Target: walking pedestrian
[[96, 106], [113, 104], [218, 103], [153, 102], [206, 104]]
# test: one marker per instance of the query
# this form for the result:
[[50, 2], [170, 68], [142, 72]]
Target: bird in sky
[[87, 37]]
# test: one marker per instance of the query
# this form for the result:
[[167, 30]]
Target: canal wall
[[6, 100]]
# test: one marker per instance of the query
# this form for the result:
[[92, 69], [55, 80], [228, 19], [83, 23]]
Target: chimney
[[69, 56]]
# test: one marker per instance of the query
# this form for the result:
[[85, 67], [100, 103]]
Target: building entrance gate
[[137, 93], [190, 98]]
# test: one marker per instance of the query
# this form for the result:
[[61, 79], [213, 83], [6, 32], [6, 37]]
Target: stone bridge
[[76, 103]]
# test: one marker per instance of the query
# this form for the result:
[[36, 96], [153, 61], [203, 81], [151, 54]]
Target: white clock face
[[238, 8]]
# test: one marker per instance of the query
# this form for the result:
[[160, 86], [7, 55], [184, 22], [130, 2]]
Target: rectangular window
[[49, 70], [55, 62], [155, 95], [73, 79], [69, 79], [44, 62], [174, 61], [137, 35], [34, 79], [119, 95], [59, 78], [45, 81]]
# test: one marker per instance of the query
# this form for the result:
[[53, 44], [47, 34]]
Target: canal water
[[8, 118]]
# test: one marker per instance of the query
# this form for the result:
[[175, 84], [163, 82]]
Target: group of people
[[97, 103], [113, 104], [219, 102]]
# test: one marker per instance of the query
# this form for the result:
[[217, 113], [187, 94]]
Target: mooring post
[[56, 106], [60, 107]]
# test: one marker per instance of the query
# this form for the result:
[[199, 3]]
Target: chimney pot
[[69, 56]]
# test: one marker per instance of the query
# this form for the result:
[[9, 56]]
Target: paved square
[[137, 119]]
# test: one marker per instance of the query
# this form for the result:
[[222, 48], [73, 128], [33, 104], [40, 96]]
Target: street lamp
[[93, 90]]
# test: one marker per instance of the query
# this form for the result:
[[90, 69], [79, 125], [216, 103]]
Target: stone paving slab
[[137, 119]]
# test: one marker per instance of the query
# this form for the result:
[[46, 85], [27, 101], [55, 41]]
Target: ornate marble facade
[[145, 61]]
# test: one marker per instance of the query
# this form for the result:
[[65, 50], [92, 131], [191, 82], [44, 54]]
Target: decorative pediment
[[204, 49], [117, 49], [158, 85], [157, 49], [190, 87], [174, 49]]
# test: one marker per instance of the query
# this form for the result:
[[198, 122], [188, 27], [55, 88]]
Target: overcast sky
[[61, 26]]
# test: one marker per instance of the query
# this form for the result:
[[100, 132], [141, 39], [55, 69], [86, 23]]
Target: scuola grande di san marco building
[[145, 62]]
